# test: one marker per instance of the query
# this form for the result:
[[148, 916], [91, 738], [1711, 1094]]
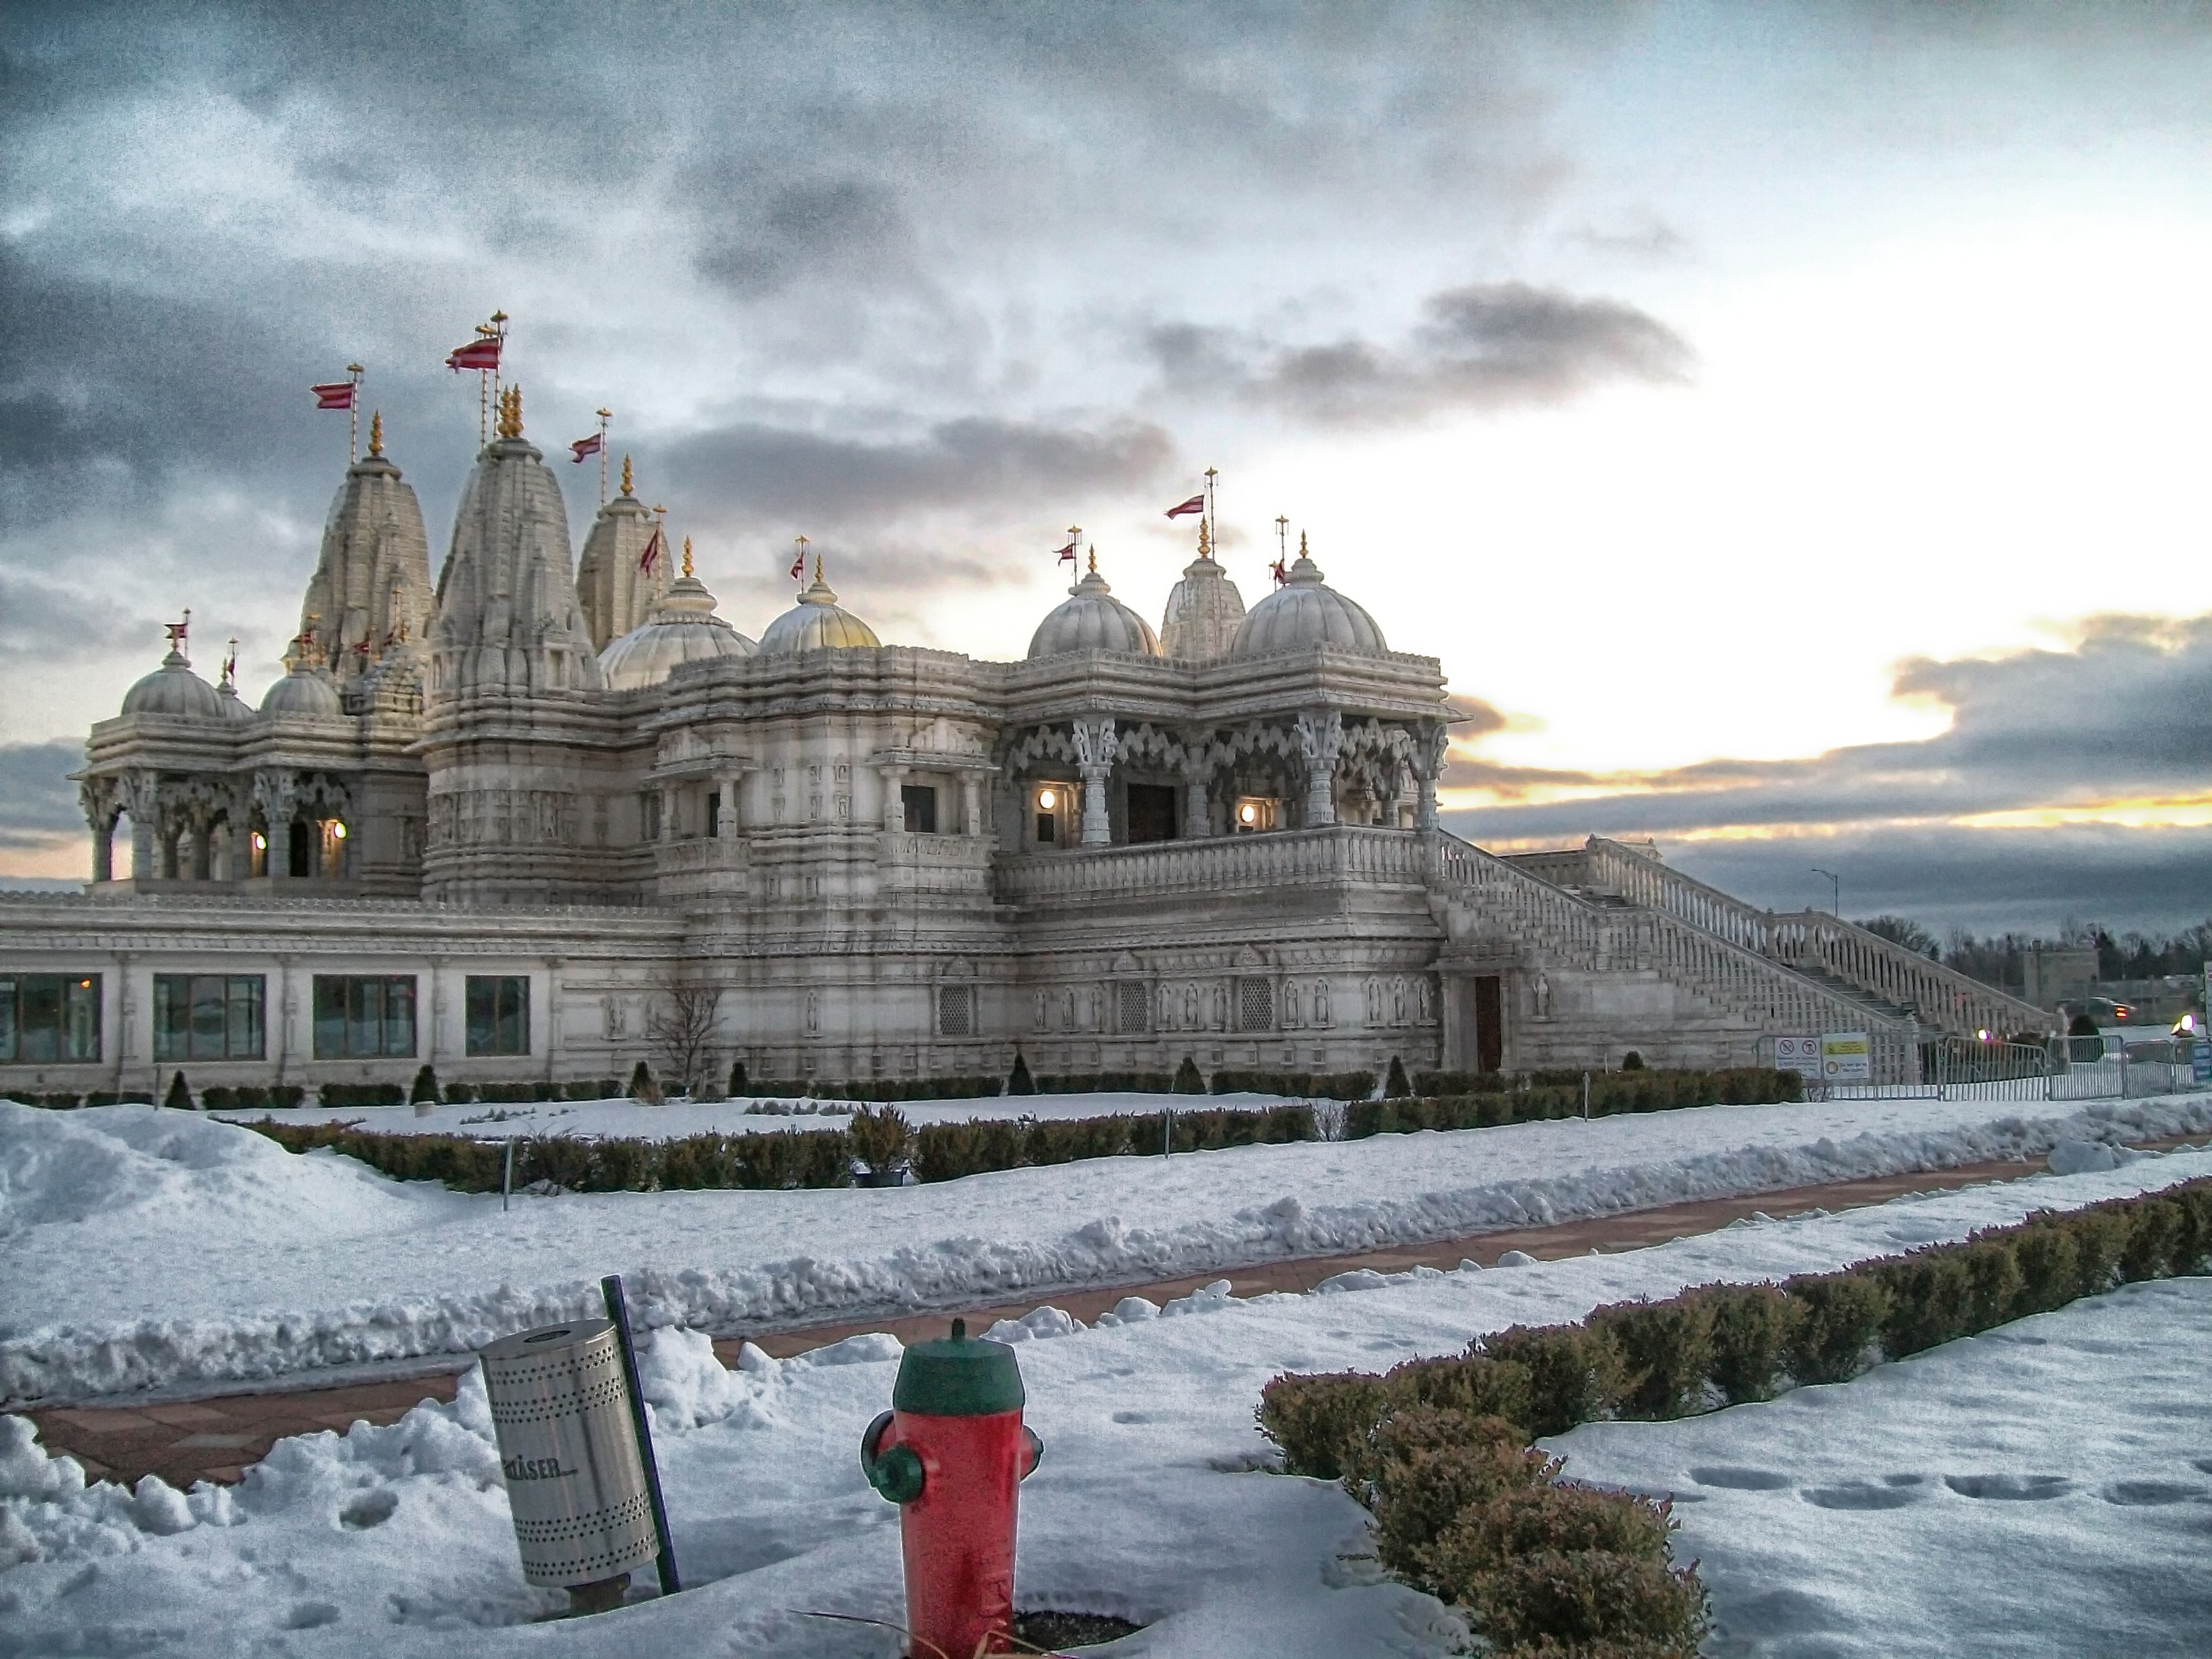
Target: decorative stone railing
[[1226, 864], [1938, 996]]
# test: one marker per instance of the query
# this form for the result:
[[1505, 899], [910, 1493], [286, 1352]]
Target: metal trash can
[[560, 1408]]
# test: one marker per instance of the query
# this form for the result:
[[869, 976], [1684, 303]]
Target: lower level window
[[49, 1017], [364, 1016], [956, 1011], [499, 1014], [918, 802], [208, 1016]]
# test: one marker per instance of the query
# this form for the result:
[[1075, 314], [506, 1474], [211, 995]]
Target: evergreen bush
[[1396, 1087], [1632, 1061], [425, 1090], [737, 1078], [1188, 1081], [1750, 1326], [642, 1087], [179, 1097], [880, 1136], [1019, 1082]]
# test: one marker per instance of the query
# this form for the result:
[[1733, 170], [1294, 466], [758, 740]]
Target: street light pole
[[1835, 892]]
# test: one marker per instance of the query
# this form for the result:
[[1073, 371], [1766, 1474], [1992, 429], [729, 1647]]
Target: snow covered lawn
[[1152, 1502], [676, 1118], [2044, 1489], [149, 1247]]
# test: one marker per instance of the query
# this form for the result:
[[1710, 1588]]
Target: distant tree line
[[1999, 958]]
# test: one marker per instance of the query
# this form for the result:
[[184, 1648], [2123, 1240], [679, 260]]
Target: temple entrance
[[1151, 812], [1489, 1023]]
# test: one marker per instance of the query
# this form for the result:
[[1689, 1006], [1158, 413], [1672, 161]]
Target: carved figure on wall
[[1542, 991], [1320, 1002], [1290, 1002]]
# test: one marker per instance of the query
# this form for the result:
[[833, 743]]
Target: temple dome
[[817, 623], [1092, 619], [174, 692], [303, 693], [235, 708], [1305, 611], [683, 628]]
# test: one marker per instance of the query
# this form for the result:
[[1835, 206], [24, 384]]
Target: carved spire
[[629, 486], [376, 433], [510, 412], [1205, 540], [687, 556]]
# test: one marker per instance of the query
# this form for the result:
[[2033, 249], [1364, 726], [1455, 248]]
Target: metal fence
[[2116, 1077]]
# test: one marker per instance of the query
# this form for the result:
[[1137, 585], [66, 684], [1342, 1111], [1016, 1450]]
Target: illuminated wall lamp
[[1047, 799]]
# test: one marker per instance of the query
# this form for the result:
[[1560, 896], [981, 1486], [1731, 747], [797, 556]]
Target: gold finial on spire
[[510, 412], [376, 433], [1205, 540], [1094, 561], [687, 556], [627, 485], [818, 567], [1302, 544]]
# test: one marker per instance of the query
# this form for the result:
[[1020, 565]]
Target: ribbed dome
[[174, 692], [235, 708], [1305, 611], [1092, 619], [303, 693], [817, 623], [682, 628]]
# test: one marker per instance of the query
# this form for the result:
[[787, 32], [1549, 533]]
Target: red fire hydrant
[[950, 1453]]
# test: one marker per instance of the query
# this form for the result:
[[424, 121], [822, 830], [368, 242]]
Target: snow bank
[[1150, 1504], [244, 1262]]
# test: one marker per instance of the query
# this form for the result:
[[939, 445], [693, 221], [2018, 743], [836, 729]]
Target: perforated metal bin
[[568, 1450]]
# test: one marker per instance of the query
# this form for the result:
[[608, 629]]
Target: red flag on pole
[[1065, 556], [1195, 504], [652, 546], [798, 566], [590, 445], [338, 394], [1278, 573], [480, 354]]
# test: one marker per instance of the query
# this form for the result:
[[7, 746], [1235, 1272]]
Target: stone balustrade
[[1223, 865]]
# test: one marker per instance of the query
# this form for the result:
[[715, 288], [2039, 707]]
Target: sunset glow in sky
[[1788, 424]]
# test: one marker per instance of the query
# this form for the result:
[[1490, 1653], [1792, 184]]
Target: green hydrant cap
[[959, 1377]]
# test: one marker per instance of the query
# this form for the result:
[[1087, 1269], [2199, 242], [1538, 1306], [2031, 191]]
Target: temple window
[[364, 1017], [918, 802], [207, 1017], [498, 1014], [49, 1017]]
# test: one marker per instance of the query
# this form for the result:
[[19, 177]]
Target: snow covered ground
[[2045, 1488], [676, 1118], [148, 1248], [1153, 1502]]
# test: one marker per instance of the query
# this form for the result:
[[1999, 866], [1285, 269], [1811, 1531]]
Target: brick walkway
[[217, 1439]]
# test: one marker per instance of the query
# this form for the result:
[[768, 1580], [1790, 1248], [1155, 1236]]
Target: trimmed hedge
[[360, 1094], [1438, 1448], [251, 1096], [809, 1158], [62, 1100], [1610, 1092], [879, 1089], [1312, 1085]]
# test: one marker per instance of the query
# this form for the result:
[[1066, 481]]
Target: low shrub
[[1324, 1085], [1018, 1081], [179, 1097], [1394, 1085], [880, 1136], [1188, 1080], [1097, 1083], [642, 1084], [348, 1095], [1436, 1447], [425, 1092], [251, 1096]]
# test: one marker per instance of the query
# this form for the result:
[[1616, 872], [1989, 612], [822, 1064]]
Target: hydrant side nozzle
[[896, 1474], [1035, 1447]]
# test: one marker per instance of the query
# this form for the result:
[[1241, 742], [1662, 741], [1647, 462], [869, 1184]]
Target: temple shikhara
[[495, 823]]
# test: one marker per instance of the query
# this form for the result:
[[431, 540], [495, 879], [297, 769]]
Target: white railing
[[1939, 997], [2106, 1079], [1223, 864]]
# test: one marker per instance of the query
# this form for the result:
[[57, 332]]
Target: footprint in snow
[[2143, 1494], [310, 1615], [1739, 1479], [1862, 1494], [371, 1509], [2009, 1488]]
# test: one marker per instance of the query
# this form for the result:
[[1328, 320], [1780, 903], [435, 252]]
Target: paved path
[[217, 1439]]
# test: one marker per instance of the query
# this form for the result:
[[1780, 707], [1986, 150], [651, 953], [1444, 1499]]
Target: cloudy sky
[[1786, 423]]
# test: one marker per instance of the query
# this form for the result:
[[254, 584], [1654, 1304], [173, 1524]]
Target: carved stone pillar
[[1095, 746], [668, 814], [894, 805], [971, 805], [1321, 740], [139, 802], [1428, 767], [728, 785], [1197, 803]]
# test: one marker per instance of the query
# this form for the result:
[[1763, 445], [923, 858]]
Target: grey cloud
[[760, 470], [2118, 717], [37, 800], [1485, 346]]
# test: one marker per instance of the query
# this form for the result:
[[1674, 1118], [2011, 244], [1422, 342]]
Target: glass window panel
[[207, 1017], [399, 1016], [242, 1036], [329, 1017], [42, 1018], [514, 1017], [7, 1019], [483, 1010], [81, 1039], [171, 1006], [364, 1016]]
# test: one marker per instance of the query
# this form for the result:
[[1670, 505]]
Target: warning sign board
[[1801, 1054], [1846, 1057]]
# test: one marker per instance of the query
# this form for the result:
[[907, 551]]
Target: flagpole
[[605, 415], [354, 372], [1212, 528], [484, 330]]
